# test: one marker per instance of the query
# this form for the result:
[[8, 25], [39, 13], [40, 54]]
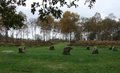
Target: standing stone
[[95, 50], [51, 48], [111, 48], [114, 48], [66, 50], [21, 49], [88, 48]]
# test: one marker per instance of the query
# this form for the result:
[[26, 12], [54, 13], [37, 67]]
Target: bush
[[93, 43], [27, 43]]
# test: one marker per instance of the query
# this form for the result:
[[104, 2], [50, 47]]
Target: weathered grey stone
[[114, 48], [88, 48], [51, 48], [110, 48], [21, 49], [95, 50], [66, 50]]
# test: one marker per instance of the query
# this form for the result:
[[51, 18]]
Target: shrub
[[92, 43]]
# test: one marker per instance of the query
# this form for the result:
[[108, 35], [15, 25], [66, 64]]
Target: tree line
[[70, 27], [67, 26]]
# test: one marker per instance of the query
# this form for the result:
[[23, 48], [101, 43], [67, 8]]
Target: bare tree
[[33, 26]]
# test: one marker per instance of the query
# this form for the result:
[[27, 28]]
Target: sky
[[104, 7]]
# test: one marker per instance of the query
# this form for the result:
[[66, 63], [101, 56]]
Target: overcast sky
[[104, 7]]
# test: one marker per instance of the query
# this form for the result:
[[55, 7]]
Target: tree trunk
[[35, 32], [27, 33], [12, 37], [66, 37], [23, 35], [44, 35], [32, 32], [16, 37], [70, 37], [6, 34], [55, 35]]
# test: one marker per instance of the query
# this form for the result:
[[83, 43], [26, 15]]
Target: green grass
[[42, 60]]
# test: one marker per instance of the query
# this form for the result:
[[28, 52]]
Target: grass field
[[42, 60]]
